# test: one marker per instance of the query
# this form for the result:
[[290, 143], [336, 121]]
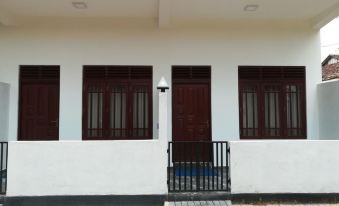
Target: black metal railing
[[3, 166], [198, 166]]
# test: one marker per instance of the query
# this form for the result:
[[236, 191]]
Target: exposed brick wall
[[330, 71]]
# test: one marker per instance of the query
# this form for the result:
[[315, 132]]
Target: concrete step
[[198, 196]]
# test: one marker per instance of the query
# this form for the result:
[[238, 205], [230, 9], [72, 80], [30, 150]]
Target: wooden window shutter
[[191, 73], [271, 73], [118, 72], [39, 72]]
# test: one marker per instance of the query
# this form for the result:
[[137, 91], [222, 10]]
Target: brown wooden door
[[39, 109], [191, 121], [191, 112]]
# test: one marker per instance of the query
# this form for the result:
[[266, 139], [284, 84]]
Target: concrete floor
[[228, 203], [323, 204]]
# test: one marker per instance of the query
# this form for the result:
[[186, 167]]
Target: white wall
[[86, 168], [4, 110], [285, 166], [223, 47], [328, 96]]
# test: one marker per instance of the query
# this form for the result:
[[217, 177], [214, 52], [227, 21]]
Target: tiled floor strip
[[199, 203]]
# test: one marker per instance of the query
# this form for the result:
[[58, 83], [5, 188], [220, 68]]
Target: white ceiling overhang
[[167, 13]]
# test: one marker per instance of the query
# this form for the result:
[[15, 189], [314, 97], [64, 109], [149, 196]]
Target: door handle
[[56, 123]]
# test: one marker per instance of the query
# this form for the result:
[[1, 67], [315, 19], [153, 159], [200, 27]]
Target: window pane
[[293, 101], [118, 104], [140, 112], [95, 102], [272, 114], [249, 111]]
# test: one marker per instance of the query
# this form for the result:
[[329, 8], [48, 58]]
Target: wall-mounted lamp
[[162, 86]]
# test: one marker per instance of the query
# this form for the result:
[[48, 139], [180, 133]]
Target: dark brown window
[[117, 102], [272, 102]]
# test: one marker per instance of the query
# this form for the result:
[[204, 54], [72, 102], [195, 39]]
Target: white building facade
[[223, 49], [163, 38]]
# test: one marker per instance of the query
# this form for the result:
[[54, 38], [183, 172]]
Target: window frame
[[283, 83], [108, 83]]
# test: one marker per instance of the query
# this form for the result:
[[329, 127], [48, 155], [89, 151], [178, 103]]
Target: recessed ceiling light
[[79, 5], [251, 7]]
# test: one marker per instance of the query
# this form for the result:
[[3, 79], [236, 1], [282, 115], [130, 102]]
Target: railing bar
[[199, 141], [209, 160], [168, 165], [203, 164], [217, 154], [222, 164], [185, 160], [227, 166], [6, 166], [180, 158], [1, 166], [198, 168], [213, 168], [191, 154], [173, 160]]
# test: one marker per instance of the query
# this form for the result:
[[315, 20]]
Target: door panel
[[191, 119], [191, 112], [39, 106]]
